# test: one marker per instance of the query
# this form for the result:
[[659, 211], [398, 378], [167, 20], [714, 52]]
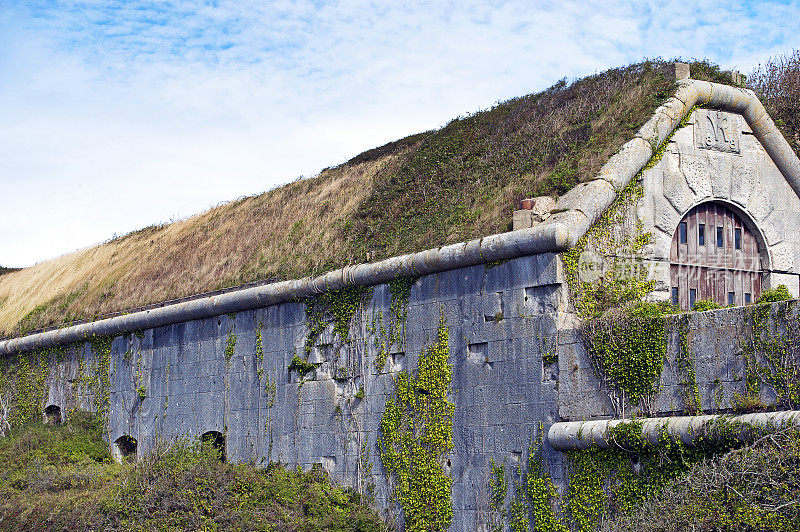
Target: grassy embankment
[[438, 187], [55, 478]]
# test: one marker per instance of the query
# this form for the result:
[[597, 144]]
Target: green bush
[[705, 304], [781, 293]]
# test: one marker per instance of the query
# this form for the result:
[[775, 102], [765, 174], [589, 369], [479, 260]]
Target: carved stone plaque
[[716, 130]]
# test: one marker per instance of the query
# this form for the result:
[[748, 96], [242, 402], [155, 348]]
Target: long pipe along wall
[[580, 435]]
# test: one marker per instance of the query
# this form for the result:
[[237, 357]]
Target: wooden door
[[714, 256]]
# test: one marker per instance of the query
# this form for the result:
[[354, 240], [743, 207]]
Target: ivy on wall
[[416, 434], [627, 348], [337, 307], [25, 395], [685, 370], [394, 335], [624, 336], [23, 380], [533, 506], [771, 348]]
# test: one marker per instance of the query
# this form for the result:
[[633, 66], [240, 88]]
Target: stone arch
[[124, 449], [718, 254], [215, 440]]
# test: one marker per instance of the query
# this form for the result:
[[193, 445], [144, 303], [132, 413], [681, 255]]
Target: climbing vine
[[99, 381], [29, 387], [771, 347], [337, 307], [535, 496], [620, 279], [270, 387], [416, 434], [385, 339], [498, 488], [230, 344], [541, 493], [625, 281], [23, 380], [685, 370], [627, 348]]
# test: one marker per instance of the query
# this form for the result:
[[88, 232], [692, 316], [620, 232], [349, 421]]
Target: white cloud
[[119, 114]]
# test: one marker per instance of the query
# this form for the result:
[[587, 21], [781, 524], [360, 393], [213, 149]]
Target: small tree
[[777, 83]]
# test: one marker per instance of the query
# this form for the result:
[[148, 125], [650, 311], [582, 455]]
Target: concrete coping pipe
[[573, 215], [581, 435]]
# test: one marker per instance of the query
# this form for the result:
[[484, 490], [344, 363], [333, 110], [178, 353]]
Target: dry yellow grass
[[426, 190], [278, 234]]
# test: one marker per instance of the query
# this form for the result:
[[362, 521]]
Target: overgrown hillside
[[756, 488], [61, 478], [434, 188]]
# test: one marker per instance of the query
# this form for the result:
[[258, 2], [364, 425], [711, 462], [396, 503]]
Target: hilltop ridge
[[426, 190]]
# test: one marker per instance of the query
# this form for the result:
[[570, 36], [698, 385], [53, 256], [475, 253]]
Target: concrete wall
[[501, 321], [716, 343]]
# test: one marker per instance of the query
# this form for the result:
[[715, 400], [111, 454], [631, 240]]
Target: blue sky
[[121, 114]]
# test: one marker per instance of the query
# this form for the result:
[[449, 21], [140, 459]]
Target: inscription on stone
[[715, 130]]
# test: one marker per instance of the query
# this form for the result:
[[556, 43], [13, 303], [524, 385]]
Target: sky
[[117, 115]]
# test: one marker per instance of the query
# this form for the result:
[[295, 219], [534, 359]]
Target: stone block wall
[[190, 378], [717, 343], [518, 365]]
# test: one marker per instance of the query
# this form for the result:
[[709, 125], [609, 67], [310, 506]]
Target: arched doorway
[[52, 415], [124, 449], [216, 441], [715, 256]]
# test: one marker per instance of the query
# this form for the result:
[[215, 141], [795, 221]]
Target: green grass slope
[[439, 187], [61, 478]]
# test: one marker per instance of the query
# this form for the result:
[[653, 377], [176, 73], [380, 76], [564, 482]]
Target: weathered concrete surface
[[501, 322], [716, 342]]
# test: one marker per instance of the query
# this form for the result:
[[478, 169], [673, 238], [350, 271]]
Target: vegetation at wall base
[[55, 478], [755, 488], [635, 486]]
